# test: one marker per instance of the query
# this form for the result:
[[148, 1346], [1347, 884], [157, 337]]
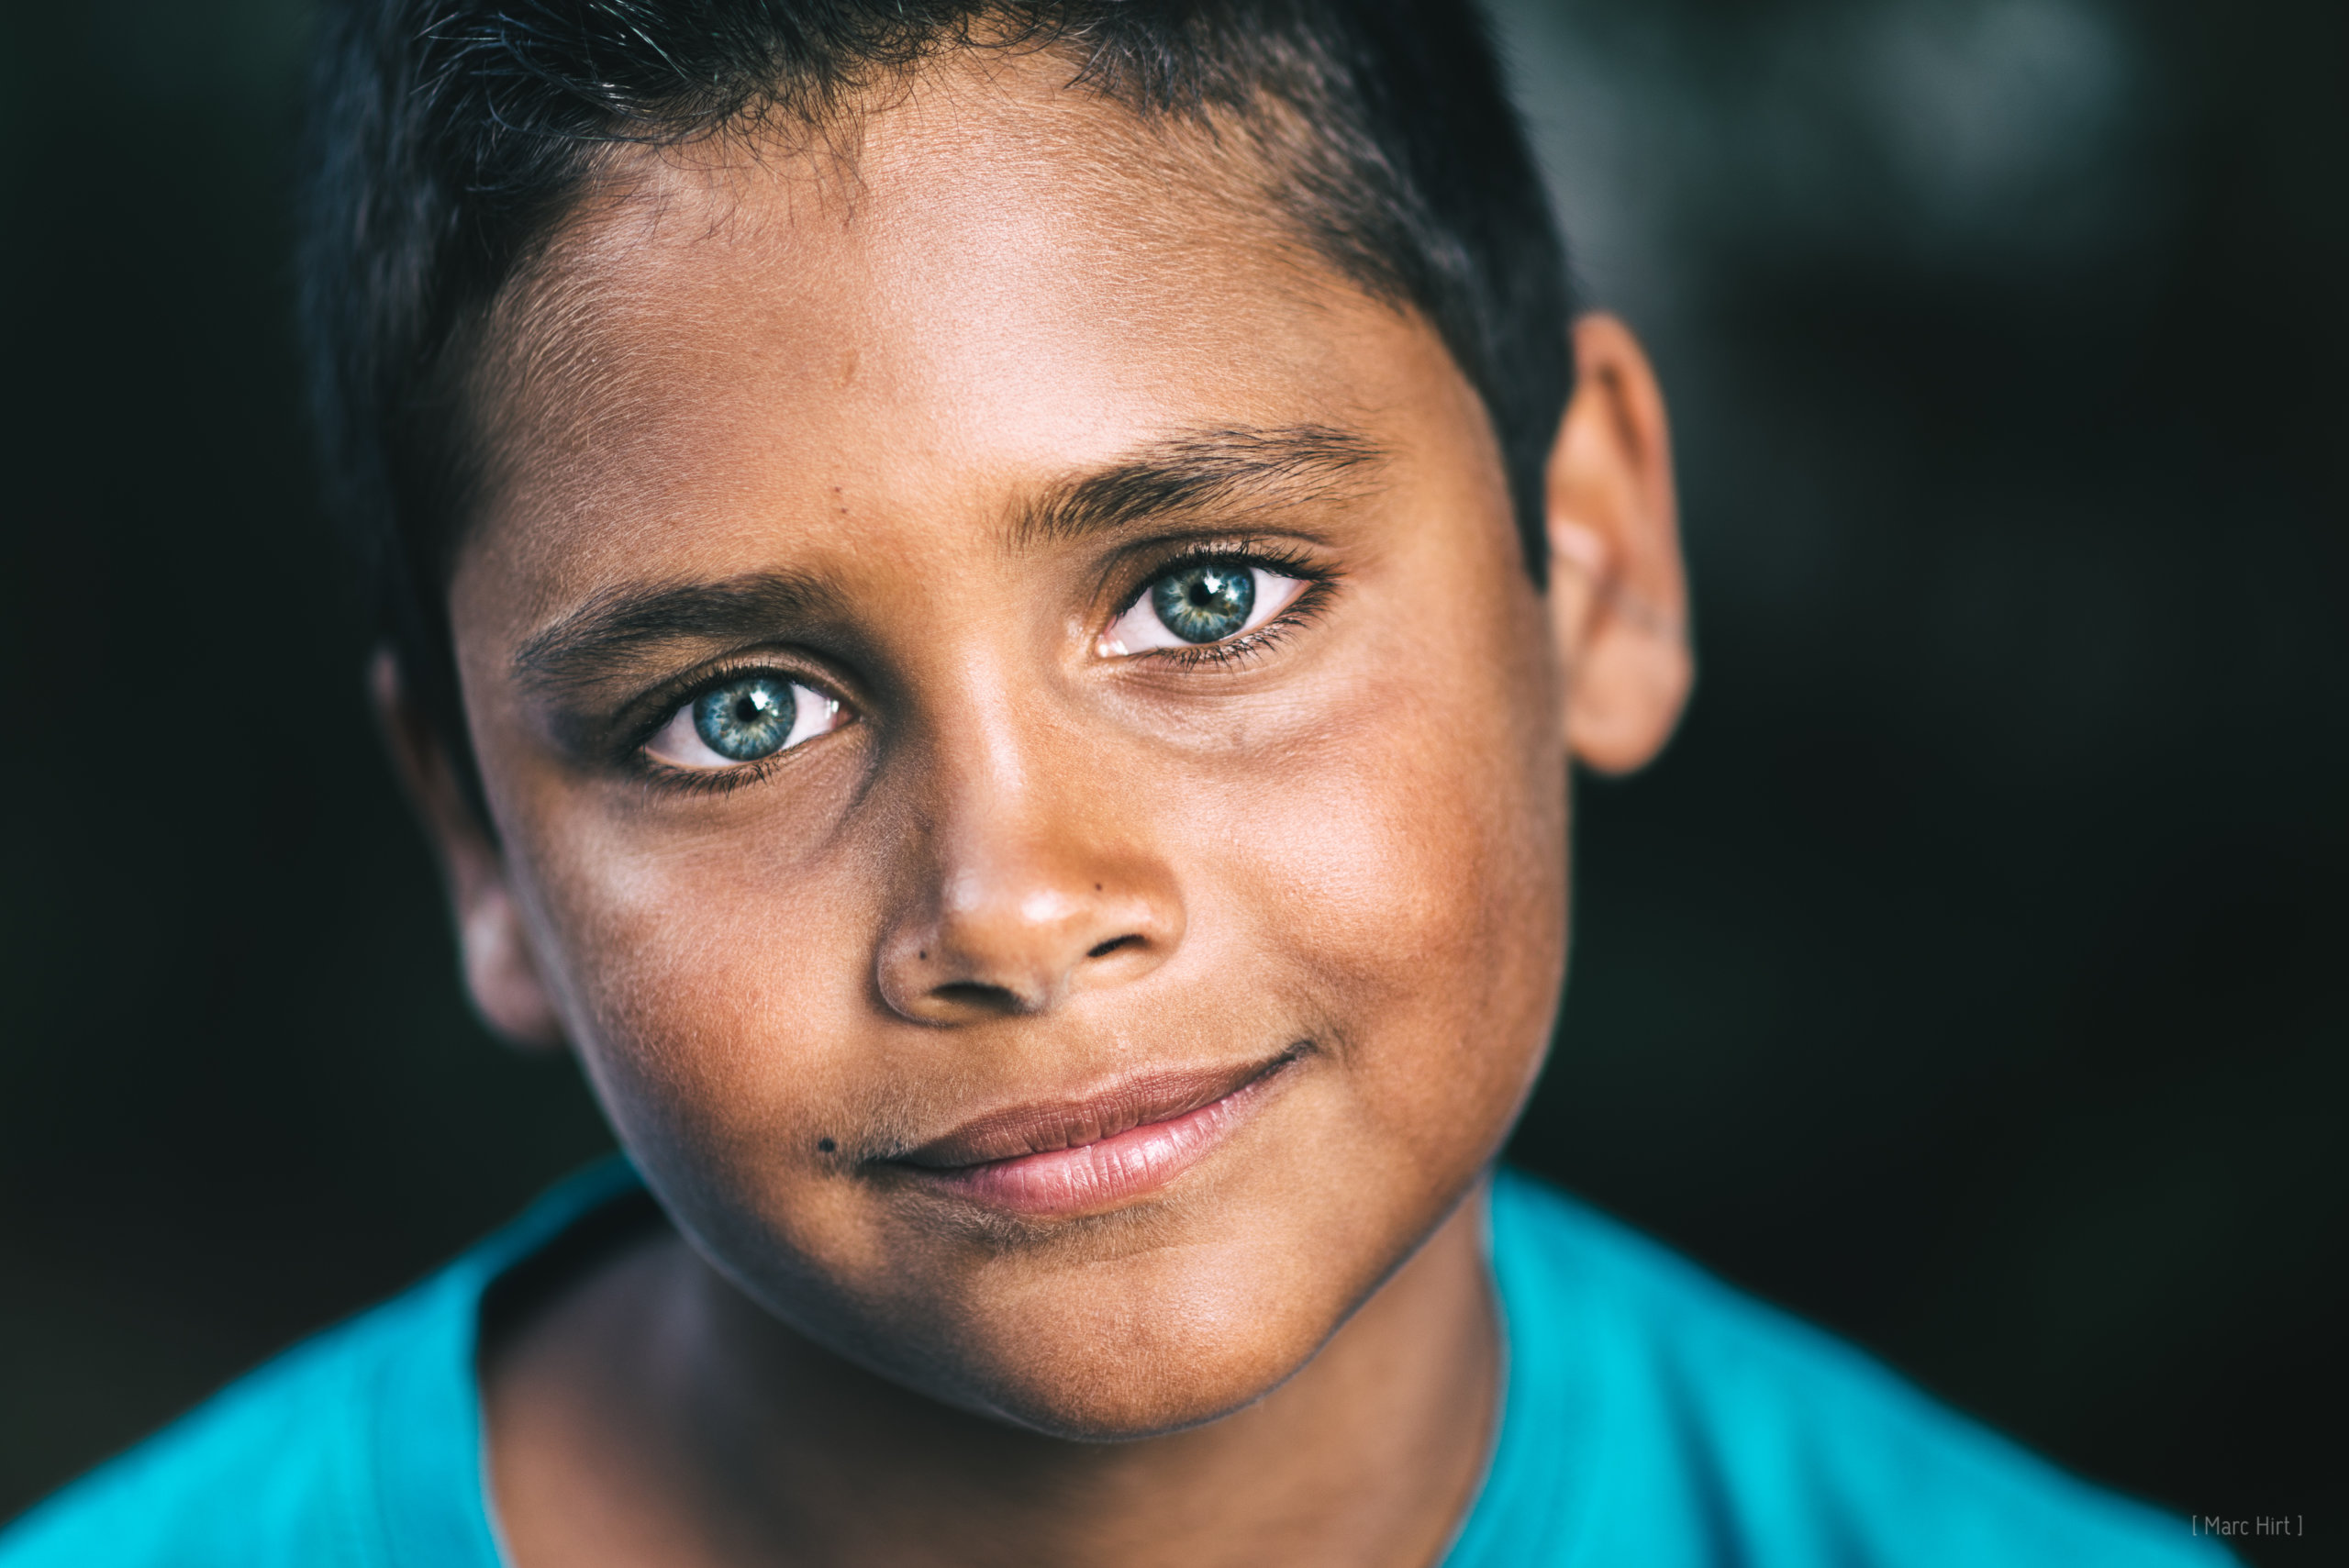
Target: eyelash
[[1301, 611], [1241, 650], [713, 781], [706, 781]]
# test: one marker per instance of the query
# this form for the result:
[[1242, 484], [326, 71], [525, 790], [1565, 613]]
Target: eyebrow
[[1232, 469], [1216, 470], [615, 627]]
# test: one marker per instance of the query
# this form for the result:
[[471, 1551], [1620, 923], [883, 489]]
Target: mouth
[[1076, 1157]]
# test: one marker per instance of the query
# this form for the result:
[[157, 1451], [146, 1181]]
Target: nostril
[[970, 994], [1113, 944]]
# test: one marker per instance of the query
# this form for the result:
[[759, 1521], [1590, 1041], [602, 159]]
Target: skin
[[1022, 869]]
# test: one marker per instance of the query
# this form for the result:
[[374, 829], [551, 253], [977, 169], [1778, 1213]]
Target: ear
[[501, 972], [1619, 594]]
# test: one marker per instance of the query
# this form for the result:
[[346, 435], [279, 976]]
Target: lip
[[1073, 1157]]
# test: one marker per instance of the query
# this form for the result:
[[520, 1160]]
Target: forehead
[[989, 279]]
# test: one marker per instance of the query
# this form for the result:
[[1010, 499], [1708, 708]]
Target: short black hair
[[447, 139]]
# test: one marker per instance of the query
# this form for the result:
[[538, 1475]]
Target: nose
[[1033, 880]]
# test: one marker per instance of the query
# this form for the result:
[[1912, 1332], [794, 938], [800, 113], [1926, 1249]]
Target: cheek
[[707, 983], [1408, 861]]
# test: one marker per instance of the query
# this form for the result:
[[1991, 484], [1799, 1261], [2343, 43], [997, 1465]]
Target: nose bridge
[[1033, 880], [1006, 840]]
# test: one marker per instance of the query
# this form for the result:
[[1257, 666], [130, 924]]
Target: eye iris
[[1205, 603], [744, 720]]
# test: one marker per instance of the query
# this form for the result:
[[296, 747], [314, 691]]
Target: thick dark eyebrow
[[1232, 470], [1228, 471], [616, 628]]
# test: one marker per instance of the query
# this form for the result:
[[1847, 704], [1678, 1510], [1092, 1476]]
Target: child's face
[[970, 440]]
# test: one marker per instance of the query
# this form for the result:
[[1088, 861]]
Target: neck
[[654, 1414]]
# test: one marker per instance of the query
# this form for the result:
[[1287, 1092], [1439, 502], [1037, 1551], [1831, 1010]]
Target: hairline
[[482, 355]]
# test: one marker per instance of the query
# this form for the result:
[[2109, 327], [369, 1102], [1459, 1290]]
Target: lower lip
[[1095, 1176]]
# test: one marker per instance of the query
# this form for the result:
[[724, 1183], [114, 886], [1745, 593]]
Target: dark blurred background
[[1970, 976]]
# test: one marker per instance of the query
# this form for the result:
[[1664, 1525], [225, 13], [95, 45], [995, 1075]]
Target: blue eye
[[1212, 600], [746, 719], [1206, 601]]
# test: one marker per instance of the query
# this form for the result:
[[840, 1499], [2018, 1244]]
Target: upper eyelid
[[1267, 553], [647, 712]]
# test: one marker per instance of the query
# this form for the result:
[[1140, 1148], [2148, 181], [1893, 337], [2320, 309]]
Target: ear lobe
[[1619, 594], [501, 971]]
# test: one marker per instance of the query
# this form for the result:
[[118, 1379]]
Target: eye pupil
[[1206, 602], [746, 719]]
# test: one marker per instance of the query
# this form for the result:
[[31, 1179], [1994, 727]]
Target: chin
[[1096, 1397], [1114, 1354]]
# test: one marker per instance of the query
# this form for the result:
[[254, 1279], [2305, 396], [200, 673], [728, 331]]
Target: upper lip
[[1041, 1126]]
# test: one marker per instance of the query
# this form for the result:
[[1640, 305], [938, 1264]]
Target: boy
[[987, 607]]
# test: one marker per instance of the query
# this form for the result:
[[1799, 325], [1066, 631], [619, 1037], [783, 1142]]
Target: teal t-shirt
[[1652, 1418]]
